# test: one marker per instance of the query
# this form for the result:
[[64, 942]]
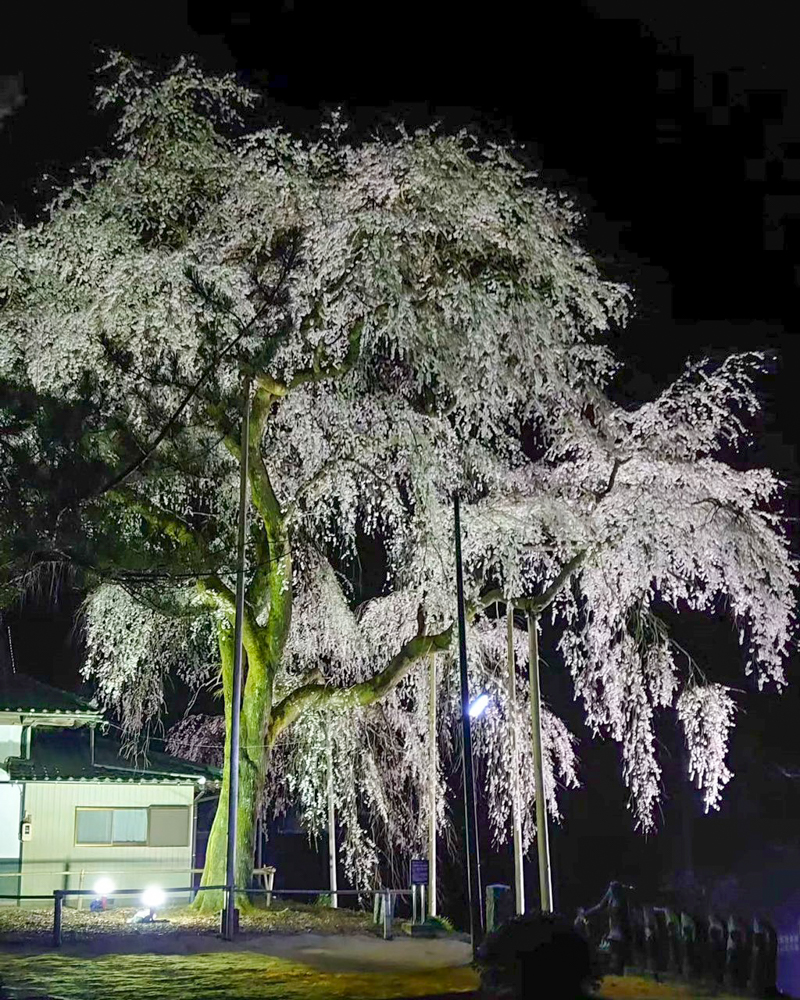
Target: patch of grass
[[642, 988], [20, 926], [229, 975], [442, 923]]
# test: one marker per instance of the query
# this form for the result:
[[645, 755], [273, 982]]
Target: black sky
[[681, 136]]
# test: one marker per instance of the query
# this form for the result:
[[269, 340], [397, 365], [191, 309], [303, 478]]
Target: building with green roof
[[74, 808]]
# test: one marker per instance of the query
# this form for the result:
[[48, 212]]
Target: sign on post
[[419, 871]]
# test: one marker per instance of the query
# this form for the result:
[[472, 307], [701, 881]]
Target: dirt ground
[[295, 954], [295, 967]]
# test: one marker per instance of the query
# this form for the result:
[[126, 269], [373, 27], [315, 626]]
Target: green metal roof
[[27, 696], [65, 756]]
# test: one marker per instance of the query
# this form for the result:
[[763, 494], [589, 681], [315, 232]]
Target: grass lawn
[[230, 975], [291, 952], [183, 958], [642, 988], [243, 975]]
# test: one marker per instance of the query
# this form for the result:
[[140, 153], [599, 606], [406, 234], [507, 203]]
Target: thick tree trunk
[[253, 757], [251, 784]]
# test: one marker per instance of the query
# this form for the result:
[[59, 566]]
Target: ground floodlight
[[104, 887], [153, 897]]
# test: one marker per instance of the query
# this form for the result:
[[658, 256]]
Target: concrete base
[[427, 930]]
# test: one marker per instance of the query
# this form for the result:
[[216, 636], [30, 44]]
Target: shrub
[[534, 953], [442, 923]]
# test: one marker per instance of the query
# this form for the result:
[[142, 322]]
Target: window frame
[[134, 843], [111, 843]]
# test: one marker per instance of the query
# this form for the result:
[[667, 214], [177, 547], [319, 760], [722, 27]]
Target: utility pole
[[432, 769], [470, 812], [542, 842], [516, 819], [236, 692], [334, 884]]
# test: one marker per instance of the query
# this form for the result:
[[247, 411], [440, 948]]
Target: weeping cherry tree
[[412, 310]]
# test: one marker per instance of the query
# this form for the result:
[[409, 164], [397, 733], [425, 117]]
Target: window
[[111, 826], [156, 826], [169, 826]]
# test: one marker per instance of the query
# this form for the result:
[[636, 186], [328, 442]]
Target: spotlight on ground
[[103, 888], [153, 897]]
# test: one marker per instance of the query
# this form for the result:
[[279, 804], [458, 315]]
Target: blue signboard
[[419, 871]]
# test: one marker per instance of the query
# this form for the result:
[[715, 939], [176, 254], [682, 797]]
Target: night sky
[[681, 137]]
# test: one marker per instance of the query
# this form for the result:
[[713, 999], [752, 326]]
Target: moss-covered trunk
[[253, 760]]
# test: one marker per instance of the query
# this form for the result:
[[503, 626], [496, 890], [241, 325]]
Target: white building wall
[[10, 742], [10, 805], [52, 860]]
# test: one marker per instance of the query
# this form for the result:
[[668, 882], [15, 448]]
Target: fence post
[[58, 899], [499, 906], [270, 886], [388, 913]]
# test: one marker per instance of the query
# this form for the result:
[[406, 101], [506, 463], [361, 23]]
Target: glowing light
[[153, 897], [478, 707], [104, 887]]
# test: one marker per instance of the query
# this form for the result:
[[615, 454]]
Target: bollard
[[736, 955], [673, 929], [716, 944], [638, 949], [756, 982], [388, 913], [689, 964], [763, 960], [771, 958], [499, 906], [651, 939], [58, 901]]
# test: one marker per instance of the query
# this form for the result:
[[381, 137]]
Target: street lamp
[[470, 813], [236, 692], [479, 706]]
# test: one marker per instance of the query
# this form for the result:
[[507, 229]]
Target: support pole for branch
[[432, 768], [236, 693], [542, 840], [331, 826], [516, 819], [470, 812]]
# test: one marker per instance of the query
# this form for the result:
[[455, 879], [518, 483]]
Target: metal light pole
[[542, 840], [334, 884], [236, 693], [519, 874], [470, 812], [432, 789]]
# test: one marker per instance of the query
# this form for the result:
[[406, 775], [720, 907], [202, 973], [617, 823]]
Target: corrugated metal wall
[[52, 848]]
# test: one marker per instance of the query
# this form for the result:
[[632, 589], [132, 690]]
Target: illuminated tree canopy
[[413, 311]]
